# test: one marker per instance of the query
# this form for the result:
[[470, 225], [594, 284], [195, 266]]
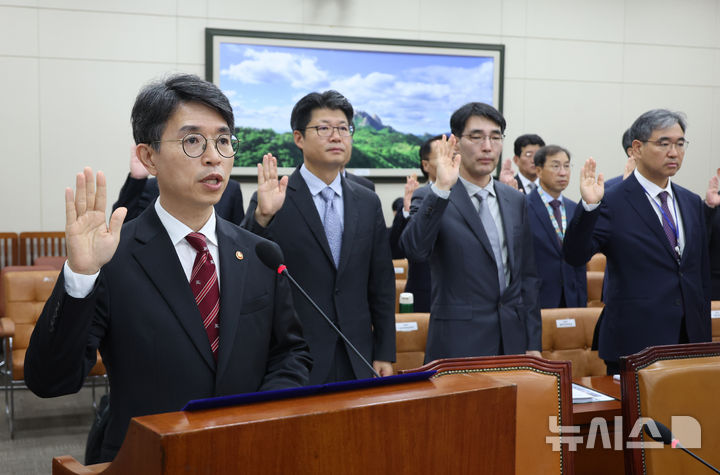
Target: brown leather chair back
[[594, 288], [5, 270], [543, 391], [399, 288], [715, 314], [410, 337], [662, 383], [45, 243], [597, 263], [56, 262], [401, 268], [567, 334]]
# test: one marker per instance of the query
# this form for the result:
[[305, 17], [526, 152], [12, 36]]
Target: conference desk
[[599, 460]]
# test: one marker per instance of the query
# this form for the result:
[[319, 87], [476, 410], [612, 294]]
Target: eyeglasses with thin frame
[[681, 145], [555, 167], [327, 130], [194, 144], [529, 153], [495, 139]]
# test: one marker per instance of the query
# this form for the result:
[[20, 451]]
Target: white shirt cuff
[[444, 194], [406, 214], [588, 207], [78, 285]]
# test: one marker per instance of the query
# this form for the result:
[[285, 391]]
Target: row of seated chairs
[[23, 249], [24, 294]]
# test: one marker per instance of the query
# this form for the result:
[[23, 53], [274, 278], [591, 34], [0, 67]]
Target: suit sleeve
[[398, 225], [63, 346], [135, 195], [418, 238], [586, 234], [289, 360], [249, 222], [381, 291], [530, 285]]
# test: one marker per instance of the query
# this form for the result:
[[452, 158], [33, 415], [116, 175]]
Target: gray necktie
[[492, 234], [333, 226], [532, 187]]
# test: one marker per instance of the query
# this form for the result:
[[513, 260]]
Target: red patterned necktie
[[204, 284]]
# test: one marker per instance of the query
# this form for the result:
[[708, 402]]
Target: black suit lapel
[[157, 256], [460, 198], [351, 212], [299, 194], [638, 200], [233, 273], [537, 206]]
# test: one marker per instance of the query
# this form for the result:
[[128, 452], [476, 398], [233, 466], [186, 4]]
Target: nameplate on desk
[[714, 313], [565, 323], [278, 394], [399, 270], [406, 326]]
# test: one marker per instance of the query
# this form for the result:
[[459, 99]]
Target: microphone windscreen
[[269, 254], [666, 436]]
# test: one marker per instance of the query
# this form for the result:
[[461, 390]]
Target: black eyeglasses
[[327, 131], [194, 144]]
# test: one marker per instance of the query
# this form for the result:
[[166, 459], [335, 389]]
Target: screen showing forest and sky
[[400, 98]]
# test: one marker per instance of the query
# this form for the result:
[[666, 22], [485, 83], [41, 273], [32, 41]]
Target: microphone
[[667, 438], [272, 258]]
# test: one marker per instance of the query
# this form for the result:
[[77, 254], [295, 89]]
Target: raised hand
[[507, 175], [90, 242], [411, 184], [448, 164], [629, 166], [711, 197], [137, 169], [271, 190], [592, 189]]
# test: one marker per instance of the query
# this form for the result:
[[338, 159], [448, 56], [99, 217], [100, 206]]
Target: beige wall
[[577, 73]]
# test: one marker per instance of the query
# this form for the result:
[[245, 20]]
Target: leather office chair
[[56, 262], [715, 306], [401, 268], [663, 382], [595, 281], [543, 391], [596, 263], [410, 339], [567, 334], [45, 243], [25, 293], [399, 288]]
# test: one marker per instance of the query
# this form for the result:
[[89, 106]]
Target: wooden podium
[[406, 428]]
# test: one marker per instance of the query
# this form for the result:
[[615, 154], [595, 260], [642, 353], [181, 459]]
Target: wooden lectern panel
[[409, 428]]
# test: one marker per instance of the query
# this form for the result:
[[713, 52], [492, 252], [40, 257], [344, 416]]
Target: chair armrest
[[7, 327]]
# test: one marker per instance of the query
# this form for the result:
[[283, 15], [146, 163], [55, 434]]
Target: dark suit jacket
[[613, 181], [468, 314], [715, 254], [418, 280], [359, 296], [360, 180], [137, 194], [143, 317], [649, 291], [557, 276]]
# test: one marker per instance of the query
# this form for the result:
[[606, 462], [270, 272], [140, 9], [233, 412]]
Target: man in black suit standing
[[335, 242], [178, 303], [525, 148]]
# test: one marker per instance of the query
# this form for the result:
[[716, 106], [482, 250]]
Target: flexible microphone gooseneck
[[667, 438], [272, 258]]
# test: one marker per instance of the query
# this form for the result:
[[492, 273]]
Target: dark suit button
[[677, 302]]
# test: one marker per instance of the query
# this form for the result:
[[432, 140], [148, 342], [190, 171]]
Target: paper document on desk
[[581, 394]]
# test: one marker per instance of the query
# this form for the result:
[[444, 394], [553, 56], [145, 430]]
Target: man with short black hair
[[525, 147], [562, 285], [178, 304], [654, 235], [475, 232], [335, 242]]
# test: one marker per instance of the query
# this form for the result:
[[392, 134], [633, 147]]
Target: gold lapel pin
[[239, 255]]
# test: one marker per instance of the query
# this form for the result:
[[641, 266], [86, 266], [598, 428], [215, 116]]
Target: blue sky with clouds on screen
[[414, 93]]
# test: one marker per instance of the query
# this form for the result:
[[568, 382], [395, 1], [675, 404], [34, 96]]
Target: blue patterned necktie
[[556, 204], [332, 224], [668, 223], [492, 233]]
